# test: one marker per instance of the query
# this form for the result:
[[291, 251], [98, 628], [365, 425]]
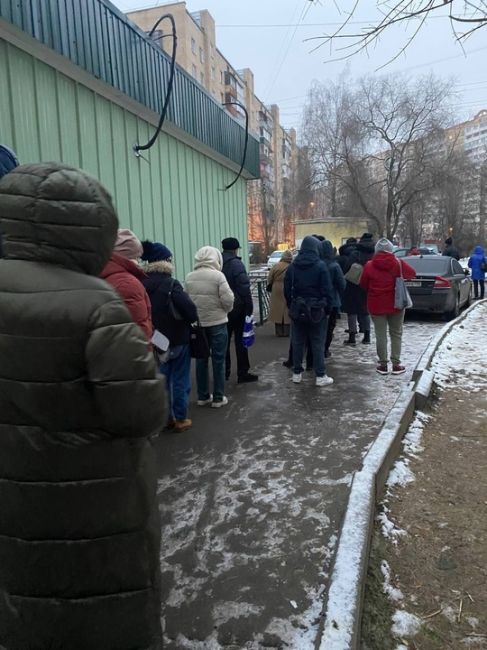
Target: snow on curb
[[341, 630]]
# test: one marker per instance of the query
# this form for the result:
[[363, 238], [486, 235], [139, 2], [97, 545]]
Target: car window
[[457, 269], [276, 254], [430, 264]]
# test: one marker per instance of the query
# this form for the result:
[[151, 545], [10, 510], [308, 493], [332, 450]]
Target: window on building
[[212, 50], [213, 73], [202, 79], [193, 46], [202, 55], [194, 71]]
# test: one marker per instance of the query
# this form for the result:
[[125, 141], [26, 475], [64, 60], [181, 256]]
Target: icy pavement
[[252, 497]]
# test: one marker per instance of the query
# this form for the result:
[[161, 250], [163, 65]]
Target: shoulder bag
[[171, 307], [198, 343], [402, 299], [354, 273]]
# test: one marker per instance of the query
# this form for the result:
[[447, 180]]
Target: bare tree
[[325, 118], [380, 148], [465, 18]]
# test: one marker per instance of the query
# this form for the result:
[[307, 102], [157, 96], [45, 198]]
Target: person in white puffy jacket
[[209, 290]]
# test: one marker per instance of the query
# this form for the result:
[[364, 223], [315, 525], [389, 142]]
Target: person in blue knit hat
[[173, 311], [8, 161]]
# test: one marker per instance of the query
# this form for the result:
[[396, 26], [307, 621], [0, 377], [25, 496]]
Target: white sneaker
[[297, 377], [204, 402], [218, 405], [324, 381]]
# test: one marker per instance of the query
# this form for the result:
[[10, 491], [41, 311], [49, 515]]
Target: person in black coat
[[450, 250], [338, 283], [173, 312], [80, 398], [309, 296], [239, 281], [354, 302]]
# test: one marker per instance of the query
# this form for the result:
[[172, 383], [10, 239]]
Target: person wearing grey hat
[[239, 281], [379, 281]]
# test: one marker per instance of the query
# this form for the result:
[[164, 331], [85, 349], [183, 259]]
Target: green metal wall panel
[[99, 38], [174, 195]]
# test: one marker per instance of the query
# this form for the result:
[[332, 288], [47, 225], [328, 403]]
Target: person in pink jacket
[[126, 276]]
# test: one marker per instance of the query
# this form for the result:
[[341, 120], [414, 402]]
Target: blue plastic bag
[[248, 336]]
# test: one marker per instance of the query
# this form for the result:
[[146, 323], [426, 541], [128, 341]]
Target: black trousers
[[332, 321], [476, 285], [235, 326]]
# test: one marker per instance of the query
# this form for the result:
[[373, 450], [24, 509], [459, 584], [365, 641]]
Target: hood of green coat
[[56, 214]]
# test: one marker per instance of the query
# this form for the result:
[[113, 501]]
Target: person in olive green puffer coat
[[79, 398]]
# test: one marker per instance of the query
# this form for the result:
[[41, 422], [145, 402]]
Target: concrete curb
[[341, 629]]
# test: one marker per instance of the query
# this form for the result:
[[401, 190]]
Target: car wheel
[[450, 315]]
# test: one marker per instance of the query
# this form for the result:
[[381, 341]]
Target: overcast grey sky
[[262, 35]]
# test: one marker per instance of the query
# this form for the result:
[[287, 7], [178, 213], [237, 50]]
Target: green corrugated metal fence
[[100, 39], [175, 197]]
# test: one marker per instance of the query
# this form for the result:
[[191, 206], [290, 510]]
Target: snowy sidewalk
[[429, 554], [253, 496]]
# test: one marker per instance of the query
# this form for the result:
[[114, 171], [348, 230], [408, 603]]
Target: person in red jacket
[[126, 276], [379, 280]]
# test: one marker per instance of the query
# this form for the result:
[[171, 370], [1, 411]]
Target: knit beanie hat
[[155, 252], [127, 244], [384, 246]]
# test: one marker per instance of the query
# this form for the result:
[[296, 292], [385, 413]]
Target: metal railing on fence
[[258, 283]]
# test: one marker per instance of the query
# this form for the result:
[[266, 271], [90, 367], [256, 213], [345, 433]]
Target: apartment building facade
[[268, 198]]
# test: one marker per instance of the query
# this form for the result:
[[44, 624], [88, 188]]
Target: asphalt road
[[252, 497]]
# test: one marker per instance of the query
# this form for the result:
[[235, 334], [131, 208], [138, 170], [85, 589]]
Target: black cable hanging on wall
[[235, 103], [138, 147]]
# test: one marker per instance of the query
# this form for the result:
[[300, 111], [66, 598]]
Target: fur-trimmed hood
[[162, 266]]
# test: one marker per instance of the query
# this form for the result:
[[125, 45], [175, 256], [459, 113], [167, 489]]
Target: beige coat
[[208, 288], [278, 311]]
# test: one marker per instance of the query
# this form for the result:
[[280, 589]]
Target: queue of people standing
[[309, 294], [82, 399]]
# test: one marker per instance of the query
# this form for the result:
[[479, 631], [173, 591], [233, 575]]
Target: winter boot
[[351, 339], [366, 338]]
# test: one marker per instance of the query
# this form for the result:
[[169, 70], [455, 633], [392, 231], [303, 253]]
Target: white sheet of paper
[[160, 341]]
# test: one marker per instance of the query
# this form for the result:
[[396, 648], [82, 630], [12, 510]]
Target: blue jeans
[[315, 333], [177, 371], [217, 336]]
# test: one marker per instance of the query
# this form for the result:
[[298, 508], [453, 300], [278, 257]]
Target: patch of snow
[[462, 368], [401, 646], [475, 641], [393, 593], [400, 474], [405, 623], [388, 527], [472, 621], [449, 613], [224, 611]]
